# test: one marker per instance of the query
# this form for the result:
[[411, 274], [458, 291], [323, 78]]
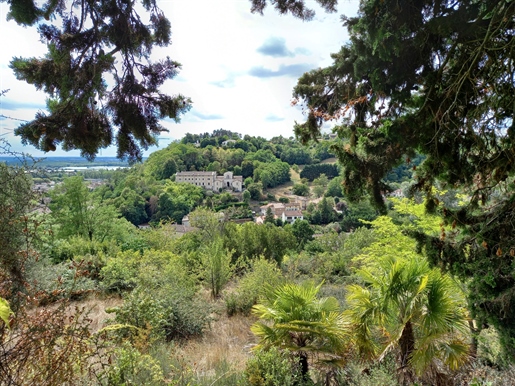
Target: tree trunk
[[407, 346], [474, 333], [304, 368]]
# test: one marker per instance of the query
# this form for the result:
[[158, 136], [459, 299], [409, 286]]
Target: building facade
[[211, 181], [288, 213]]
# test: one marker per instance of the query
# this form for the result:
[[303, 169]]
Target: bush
[[121, 271], [272, 368], [251, 286], [63, 280], [378, 374], [300, 189], [65, 250], [131, 367], [164, 300]]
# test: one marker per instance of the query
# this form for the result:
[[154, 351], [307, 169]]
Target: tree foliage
[[302, 323], [76, 212], [98, 41], [314, 171], [414, 309], [17, 226], [433, 78], [296, 7]]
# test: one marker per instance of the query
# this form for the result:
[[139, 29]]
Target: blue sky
[[239, 68]]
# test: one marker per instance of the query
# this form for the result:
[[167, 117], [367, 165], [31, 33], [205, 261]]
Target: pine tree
[[432, 78], [96, 41], [269, 216]]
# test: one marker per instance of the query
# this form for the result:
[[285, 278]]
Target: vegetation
[[302, 323], [411, 290], [414, 81], [82, 54], [172, 287]]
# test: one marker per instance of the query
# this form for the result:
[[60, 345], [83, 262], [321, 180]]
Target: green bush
[[131, 367], [164, 299], [272, 368], [250, 286], [64, 250], [121, 271], [354, 374], [61, 280]]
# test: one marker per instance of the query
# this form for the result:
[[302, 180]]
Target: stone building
[[211, 181]]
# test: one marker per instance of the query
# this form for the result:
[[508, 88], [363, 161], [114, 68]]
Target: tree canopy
[[434, 78], [98, 75]]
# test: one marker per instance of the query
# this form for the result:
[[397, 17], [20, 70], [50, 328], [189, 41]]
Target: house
[[397, 193], [225, 143], [288, 213], [211, 181]]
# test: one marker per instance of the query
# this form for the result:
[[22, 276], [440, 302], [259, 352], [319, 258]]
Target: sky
[[238, 68]]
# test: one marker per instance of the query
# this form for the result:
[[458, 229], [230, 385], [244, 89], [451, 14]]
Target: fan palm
[[298, 321], [407, 305]]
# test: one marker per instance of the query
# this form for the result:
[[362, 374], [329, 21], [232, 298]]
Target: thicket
[[314, 171]]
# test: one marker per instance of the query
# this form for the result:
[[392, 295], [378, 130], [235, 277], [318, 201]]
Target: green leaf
[[5, 311]]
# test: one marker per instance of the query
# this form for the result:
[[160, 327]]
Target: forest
[[382, 254]]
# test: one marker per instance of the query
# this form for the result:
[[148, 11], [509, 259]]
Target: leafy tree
[[131, 206], [216, 266], [177, 200], [96, 41], [269, 217], [300, 189], [355, 213], [76, 211], [168, 169], [315, 171], [302, 323], [318, 191], [207, 221], [17, 229], [321, 180], [324, 214], [246, 196], [303, 232], [255, 190], [334, 188], [432, 78], [250, 241]]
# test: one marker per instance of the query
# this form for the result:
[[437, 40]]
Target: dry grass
[[329, 161], [228, 340], [95, 310]]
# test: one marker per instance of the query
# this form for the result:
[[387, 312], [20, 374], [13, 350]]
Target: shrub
[[377, 374], [251, 286], [64, 250], [120, 272], [164, 300], [216, 267], [271, 368], [57, 281], [131, 367]]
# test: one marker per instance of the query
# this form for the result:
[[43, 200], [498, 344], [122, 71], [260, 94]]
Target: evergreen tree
[[433, 78], [269, 217], [96, 41]]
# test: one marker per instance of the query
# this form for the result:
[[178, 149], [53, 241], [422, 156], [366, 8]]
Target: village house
[[288, 213], [211, 181]]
